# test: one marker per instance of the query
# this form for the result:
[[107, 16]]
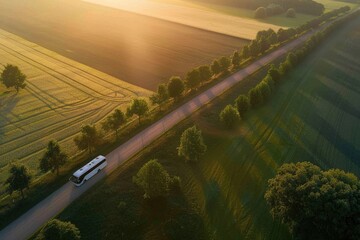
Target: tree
[[89, 138], [265, 90], [291, 58], [53, 158], [229, 116], [175, 87], [153, 179], [114, 121], [192, 80], [316, 204], [268, 79], [254, 48], [191, 144], [290, 13], [285, 67], [245, 52], [139, 107], [242, 104], [215, 67], [224, 64], [205, 73], [274, 73], [255, 97], [260, 12], [13, 77], [19, 179], [235, 59], [58, 230], [160, 96]]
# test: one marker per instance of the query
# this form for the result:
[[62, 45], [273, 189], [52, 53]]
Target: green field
[[313, 117], [60, 96]]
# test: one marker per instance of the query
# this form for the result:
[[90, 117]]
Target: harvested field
[[140, 50], [60, 96]]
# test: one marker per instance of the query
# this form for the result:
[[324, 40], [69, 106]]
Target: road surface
[[31, 221]]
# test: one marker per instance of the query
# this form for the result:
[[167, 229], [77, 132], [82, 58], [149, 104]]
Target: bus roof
[[85, 168]]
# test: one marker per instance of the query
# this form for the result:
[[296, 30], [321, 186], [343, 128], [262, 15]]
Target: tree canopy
[[192, 80], [153, 179], [114, 121], [13, 77], [316, 204], [191, 144], [229, 116], [58, 230], [175, 87], [242, 104], [89, 138], [53, 158], [19, 179], [160, 96], [139, 107]]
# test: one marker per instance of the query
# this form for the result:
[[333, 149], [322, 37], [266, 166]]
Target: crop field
[[196, 15], [314, 116], [60, 96], [141, 50]]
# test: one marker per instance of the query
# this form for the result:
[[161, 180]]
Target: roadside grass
[[313, 116]]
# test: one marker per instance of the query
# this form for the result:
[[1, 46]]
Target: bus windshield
[[74, 179]]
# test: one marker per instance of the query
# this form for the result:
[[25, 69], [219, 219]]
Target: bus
[[89, 170]]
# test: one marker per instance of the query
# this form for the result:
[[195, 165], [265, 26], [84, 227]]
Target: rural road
[[31, 221]]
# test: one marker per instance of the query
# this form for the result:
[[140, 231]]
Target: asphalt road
[[31, 221]]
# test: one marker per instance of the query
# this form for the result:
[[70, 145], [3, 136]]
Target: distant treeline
[[301, 6]]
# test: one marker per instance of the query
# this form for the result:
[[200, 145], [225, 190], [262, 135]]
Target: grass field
[[60, 96], [314, 116], [140, 50]]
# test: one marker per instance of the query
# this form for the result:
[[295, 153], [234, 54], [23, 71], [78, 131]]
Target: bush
[[290, 13], [58, 230], [260, 12], [242, 104], [229, 116]]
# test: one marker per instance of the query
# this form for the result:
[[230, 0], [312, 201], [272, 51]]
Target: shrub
[[260, 12], [290, 13]]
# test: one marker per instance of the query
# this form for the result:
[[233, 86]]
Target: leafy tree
[[260, 12], [265, 90], [224, 64], [291, 58], [192, 80], [242, 104], [229, 116], [285, 67], [58, 230], [254, 48], [255, 97], [153, 179], [245, 52], [13, 77], [160, 96], [53, 158], [19, 179], [235, 59], [191, 144], [205, 73], [175, 87], [138, 107], [268, 79], [215, 67], [272, 38], [114, 121], [274, 73], [316, 204], [89, 138], [290, 13]]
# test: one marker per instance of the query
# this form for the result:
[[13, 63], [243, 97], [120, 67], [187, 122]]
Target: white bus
[[88, 171]]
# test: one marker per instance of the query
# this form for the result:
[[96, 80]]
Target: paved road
[[31, 221]]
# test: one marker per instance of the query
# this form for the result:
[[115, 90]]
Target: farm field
[[60, 96], [192, 14], [229, 20], [314, 116], [141, 50]]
